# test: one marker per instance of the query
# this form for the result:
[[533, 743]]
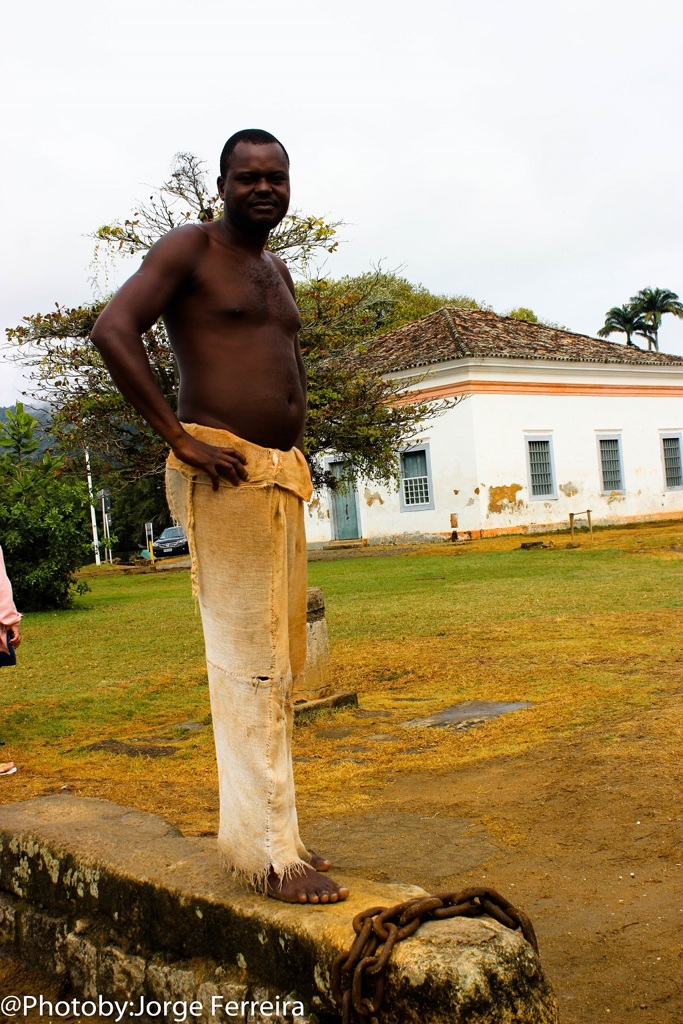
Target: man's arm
[[138, 304]]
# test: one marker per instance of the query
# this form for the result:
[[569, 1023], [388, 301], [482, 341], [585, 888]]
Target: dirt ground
[[587, 844]]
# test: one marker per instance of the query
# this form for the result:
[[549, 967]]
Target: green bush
[[44, 528]]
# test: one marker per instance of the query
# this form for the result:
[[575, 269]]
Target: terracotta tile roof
[[451, 333]]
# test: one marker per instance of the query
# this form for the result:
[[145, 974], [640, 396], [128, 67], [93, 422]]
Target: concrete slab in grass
[[469, 713]]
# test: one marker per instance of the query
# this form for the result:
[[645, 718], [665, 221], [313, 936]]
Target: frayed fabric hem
[[258, 880], [185, 516]]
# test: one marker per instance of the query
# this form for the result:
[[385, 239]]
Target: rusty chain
[[358, 975]]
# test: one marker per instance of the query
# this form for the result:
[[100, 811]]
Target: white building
[[552, 423]]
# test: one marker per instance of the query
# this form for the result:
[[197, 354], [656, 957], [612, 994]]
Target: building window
[[673, 466], [416, 480], [610, 464], [541, 475]]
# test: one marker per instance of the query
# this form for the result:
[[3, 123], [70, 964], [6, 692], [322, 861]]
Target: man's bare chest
[[250, 293]]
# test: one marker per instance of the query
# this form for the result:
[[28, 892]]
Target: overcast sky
[[524, 153]]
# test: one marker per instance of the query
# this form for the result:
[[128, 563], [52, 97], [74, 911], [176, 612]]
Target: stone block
[[170, 982], [80, 957], [45, 935], [8, 920], [209, 995], [121, 975]]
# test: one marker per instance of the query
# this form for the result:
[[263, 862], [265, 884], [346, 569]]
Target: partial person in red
[[10, 636]]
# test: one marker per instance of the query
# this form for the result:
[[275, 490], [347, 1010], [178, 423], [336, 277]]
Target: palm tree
[[652, 303], [629, 321]]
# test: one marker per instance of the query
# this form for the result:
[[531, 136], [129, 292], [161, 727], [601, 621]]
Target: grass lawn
[[586, 635]]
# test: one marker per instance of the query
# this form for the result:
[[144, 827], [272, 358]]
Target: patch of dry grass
[[589, 636]]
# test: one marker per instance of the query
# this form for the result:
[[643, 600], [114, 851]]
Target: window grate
[[611, 464], [541, 468], [415, 485], [673, 470], [416, 490]]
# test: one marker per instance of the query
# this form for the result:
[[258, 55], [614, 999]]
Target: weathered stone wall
[[85, 954], [122, 906]]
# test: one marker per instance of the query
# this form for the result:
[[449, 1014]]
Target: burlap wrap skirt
[[248, 550]]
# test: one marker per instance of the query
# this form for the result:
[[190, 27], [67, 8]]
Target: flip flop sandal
[[9, 771]]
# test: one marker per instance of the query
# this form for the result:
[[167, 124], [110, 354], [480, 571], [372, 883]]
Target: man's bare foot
[[309, 886], [319, 863]]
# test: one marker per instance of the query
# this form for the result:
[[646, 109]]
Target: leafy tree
[[652, 304], [523, 313], [628, 320], [528, 316], [67, 372], [17, 436], [363, 421], [388, 300], [43, 518], [352, 408]]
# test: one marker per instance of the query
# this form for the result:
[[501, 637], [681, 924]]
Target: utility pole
[[105, 498], [149, 537], [93, 516]]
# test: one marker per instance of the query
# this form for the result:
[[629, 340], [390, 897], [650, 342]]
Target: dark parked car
[[171, 542]]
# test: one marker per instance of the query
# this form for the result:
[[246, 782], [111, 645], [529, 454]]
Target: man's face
[[255, 190]]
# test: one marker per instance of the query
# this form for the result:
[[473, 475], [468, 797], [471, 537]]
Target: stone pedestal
[[317, 683]]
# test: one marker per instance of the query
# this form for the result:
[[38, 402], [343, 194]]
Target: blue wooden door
[[344, 507]]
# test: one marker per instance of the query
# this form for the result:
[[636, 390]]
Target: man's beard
[[250, 225]]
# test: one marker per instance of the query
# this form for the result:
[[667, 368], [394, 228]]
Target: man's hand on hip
[[217, 462]]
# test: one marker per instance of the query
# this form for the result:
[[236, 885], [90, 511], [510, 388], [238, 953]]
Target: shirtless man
[[232, 321]]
